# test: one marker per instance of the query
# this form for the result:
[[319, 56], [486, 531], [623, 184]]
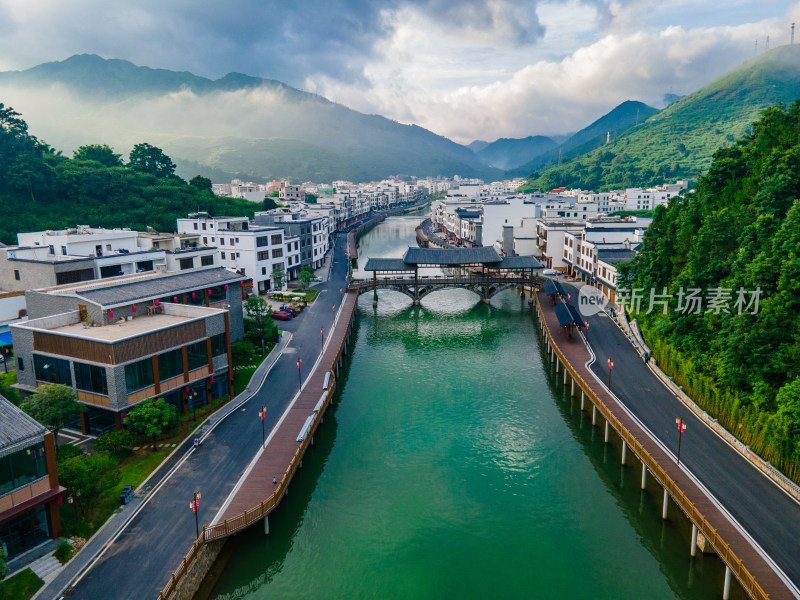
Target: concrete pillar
[[572, 389], [624, 450], [726, 588], [644, 475], [565, 376], [605, 439], [312, 440], [594, 414], [583, 399], [665, 505], [693, 550], [266, 525], [558, 362]]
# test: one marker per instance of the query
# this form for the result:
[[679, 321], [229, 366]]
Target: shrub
[[116, 443], [67, 451], [63, 552]]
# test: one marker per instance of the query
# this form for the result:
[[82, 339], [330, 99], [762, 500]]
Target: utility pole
[[195, 505], [681, 428], [610, 368]]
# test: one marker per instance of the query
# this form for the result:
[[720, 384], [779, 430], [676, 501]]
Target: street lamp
[[681, 428], [610, 368], [299, 378], [193, 397], [322, 338], [262, 413], [195, 506]]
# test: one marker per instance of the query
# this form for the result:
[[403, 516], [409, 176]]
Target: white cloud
[[418, 78]]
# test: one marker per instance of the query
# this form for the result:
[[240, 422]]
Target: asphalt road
[[766, 512], [139, 563]]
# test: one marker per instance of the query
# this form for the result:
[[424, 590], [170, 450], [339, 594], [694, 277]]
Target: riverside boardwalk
[[283, 453], [741, 558]]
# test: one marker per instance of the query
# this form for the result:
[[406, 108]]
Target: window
[[277, 240], [213, 240], [20, 364], [138, 375], [186, 263], [223, 255], [206, 261], [108, 247], [263, 270], [204, 226], [218, 345], [262, 241], [64, 250], [205, 240], [197, 355], [195, 226], [52, 370], [263, 255], [16, 274], [170, 364], [237, 240], [221, 241], [91, 378], [22, 467], [277, 252]]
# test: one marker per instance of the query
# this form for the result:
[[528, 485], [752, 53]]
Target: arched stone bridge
[[480, 270]]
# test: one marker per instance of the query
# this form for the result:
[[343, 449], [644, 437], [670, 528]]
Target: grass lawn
[[310, 294], [21, 586], [243, 376]]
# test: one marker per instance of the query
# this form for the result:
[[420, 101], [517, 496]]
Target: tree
[[259, 314], [87, 475], [305, 275], [152, 417], [269, 203], [243, 354], [117, 443], [53, 405], [3, 565], [152, 160], [274, 194], [201, 183], [278, 277], [311, 198], [98, 153]]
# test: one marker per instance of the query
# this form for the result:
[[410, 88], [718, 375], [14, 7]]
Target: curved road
[[765, 512], [140, 561]]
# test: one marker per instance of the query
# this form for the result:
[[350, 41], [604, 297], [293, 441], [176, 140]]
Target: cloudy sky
[[467, 69]]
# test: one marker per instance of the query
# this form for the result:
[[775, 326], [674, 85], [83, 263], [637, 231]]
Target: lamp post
[[193, 397], [681, 428], [610, 368], [322, 338], [195, 506], [262, 413], [299, 378]]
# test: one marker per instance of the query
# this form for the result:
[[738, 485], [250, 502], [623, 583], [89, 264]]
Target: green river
[[455, 465]]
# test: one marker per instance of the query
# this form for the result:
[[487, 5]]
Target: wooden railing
[[725, 552], [361, 285]]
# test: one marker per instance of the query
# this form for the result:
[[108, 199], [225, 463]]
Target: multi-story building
[[48, 258], [252, 250], [290, 193], [29, 490], [119, 342], [312, 233], [550, 239]]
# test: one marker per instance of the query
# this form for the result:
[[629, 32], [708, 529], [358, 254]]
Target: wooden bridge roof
[[568, 314], [484, 256]]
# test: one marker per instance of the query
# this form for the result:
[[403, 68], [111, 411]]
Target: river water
[[455, 465]]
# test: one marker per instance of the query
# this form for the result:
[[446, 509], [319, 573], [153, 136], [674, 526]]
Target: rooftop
[[145, 286], [16, 428], [70, 325]]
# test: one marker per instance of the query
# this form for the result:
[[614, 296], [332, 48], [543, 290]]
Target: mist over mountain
[[679, 141], [594, 135], [507, 153], [238, 125]]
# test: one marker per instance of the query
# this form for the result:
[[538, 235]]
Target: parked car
[[282, 315], [550, 272], [126, 495]]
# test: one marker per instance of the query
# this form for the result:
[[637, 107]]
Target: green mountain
[[477, 145], [237, 124], [612, 124], [507, 153], [735, 240], [680, 141]]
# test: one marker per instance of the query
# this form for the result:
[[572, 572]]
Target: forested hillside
[[740, 230], [679, 141], [40, 189]]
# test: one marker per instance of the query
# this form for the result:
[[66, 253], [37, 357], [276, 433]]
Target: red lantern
[[192, 294], [175, 299], [241, 284], [226, 287], [111, 314], [133, 308], [157, 303], [186, 389], [212, 379], [209, 292]]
